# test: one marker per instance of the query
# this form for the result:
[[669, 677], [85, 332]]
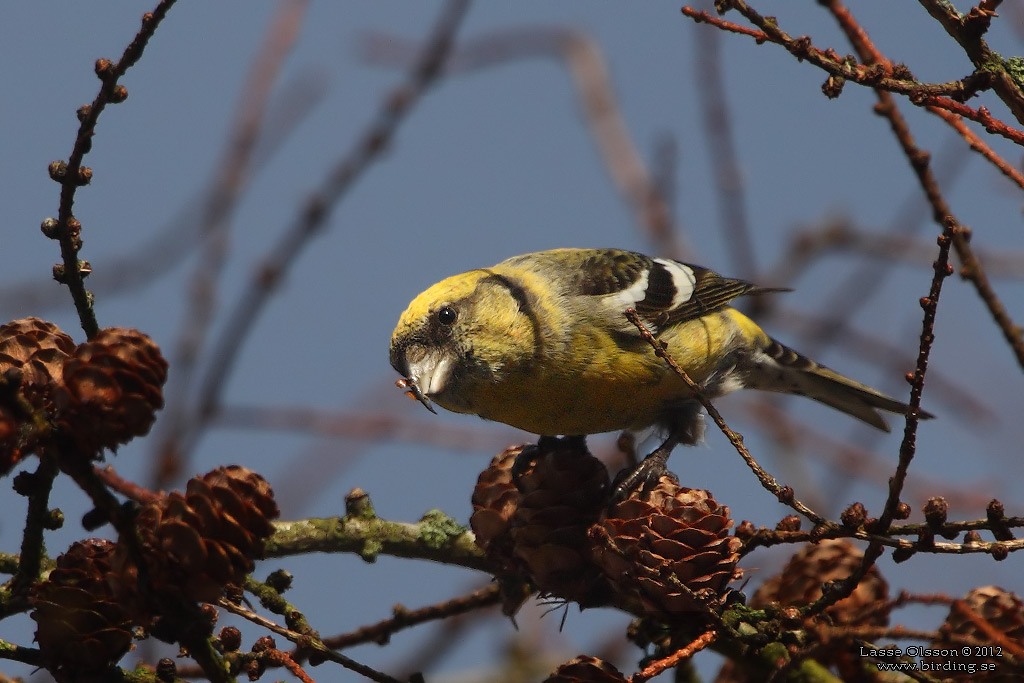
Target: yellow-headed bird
[[541, 342]]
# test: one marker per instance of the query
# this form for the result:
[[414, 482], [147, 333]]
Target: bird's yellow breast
[[599, 381]]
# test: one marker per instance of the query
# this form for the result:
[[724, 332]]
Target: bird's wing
[[663, 291]]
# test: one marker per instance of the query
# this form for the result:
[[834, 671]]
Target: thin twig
[[980, 146], [307, 642], [225, 350], [139, 267], [403, 618], [980, 115], [985, 627], [699, 643], [969, 35], [40, 485], [783, 493], [873, 76], [68, 229], [923, 95]]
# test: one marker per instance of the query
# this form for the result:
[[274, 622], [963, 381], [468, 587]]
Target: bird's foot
[[643, 477]]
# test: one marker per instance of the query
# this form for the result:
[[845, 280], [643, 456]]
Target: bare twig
[[308, 642], [979, 146], [783, 493], [699, 643], [875, 76], [72, 174], [969, 34], [839, 236], [403, 618], [980, 115]]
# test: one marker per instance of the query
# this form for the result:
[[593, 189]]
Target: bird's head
[[457, 336]]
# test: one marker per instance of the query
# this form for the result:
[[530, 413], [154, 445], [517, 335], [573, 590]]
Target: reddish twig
[[979, 145], [673, 660], [908, 447], [877, 76], [72, 174], [923, 95], [129, 489], [980, 115], [968, 31], [971, 269], [1012, 646], [275, 657], [702, 17]]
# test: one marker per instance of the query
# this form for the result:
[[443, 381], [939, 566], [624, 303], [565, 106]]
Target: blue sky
[[494, 162]]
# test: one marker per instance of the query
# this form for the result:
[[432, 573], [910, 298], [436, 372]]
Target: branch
[[308, 641], [435, 537], [968, 31], [873, 76]]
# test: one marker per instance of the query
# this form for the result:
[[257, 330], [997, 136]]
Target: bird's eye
[[446, 315]]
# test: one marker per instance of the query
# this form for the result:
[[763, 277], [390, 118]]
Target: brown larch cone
[[32, 355], [800, 583], [660, 538], [81, 629], [112, 388], [1004, 612], [564, 489], [801, 580], [196, 543], [495, 499], [37, 347], [586, 669]]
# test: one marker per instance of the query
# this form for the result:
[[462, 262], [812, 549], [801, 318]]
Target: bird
[[542, 342]]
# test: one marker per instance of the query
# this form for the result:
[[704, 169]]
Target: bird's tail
[[779, 368]]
